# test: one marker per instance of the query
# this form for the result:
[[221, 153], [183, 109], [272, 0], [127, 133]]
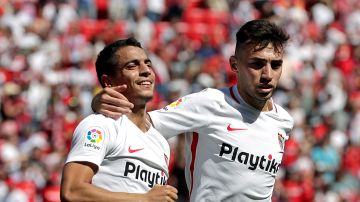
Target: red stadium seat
[[160, 27], [88, 28], [195, 15], [120, 28]]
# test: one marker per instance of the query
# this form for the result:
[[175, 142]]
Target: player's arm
[[175, 119], [76, 186], [111, 102], [190, 113]]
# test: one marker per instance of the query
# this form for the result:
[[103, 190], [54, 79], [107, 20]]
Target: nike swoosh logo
[[134, 150], [229, 128]]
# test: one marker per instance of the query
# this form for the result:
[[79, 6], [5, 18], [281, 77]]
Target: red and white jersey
[[129, 160], [233, 151]]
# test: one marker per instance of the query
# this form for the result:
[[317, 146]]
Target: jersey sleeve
[[90, 141], [187, 114]]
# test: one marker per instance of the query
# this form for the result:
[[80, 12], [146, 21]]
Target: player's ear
[[105, 80], [233, 63]]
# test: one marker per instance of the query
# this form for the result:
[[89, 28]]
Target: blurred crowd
[[47, 80]]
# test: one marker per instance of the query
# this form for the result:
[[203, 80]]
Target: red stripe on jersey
[[232, 94], [193, 155], [275, 108], [273, 103]]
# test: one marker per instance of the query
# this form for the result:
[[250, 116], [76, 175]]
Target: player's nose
[[145, 69], [266, 72]]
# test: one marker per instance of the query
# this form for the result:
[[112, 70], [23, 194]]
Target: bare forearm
[[76, 185], [88, 193]]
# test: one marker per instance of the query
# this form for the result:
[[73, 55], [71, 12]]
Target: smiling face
[[135, 70], [258, 73]]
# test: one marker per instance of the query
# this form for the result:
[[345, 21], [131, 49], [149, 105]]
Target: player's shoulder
[[209, 94], [281, 111], [284, 115], [98, 120], [205, 100], [209, 98], [212, 91]]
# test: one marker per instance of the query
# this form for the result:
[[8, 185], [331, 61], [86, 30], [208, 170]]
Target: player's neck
[[139, 118], [268, 106], [261, 105]]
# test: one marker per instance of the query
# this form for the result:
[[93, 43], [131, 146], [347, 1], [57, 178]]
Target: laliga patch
[[94, 139], [174, 104]]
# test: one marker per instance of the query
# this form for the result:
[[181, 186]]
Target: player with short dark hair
[[235, 136], [107, 61], [124, 159]]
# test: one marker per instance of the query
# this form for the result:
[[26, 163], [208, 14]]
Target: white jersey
[[128, 159], [234, 151]]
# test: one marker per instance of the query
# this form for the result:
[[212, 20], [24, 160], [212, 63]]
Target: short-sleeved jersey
[[128, 159], [234, 150]]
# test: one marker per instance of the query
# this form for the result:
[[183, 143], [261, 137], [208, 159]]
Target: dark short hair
[[260, 33], [107, 60]]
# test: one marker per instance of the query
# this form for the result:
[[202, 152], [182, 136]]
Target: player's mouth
[[265, 88], [145, 83]]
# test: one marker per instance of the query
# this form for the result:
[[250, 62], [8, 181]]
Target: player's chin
[[146, 99], [264, 96], [147, 95]]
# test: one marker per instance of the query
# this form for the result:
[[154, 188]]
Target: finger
[[113, 92], [116, 101], [173, 196], [116, 92], [116, 98], [120, 88], [114, 109], [171, 188], [169, 199], [172, 192]]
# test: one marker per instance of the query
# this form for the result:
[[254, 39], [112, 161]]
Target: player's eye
[[149, 64], [131, 65], [276, 64], [256, 64]]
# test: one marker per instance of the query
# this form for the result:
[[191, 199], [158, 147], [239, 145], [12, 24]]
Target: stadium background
[[47, 81]]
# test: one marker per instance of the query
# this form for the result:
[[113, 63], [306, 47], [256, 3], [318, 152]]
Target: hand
[[111, 103], [161, 193]]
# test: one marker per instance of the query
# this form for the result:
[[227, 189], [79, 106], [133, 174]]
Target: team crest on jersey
[[281, 141], [94, 139], [174, 104]]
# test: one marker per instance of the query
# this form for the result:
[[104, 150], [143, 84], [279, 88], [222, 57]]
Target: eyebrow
[[264, 60], [136, 61]]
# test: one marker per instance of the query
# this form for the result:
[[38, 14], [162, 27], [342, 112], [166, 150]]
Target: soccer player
[[124, 159], [235, 136]]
